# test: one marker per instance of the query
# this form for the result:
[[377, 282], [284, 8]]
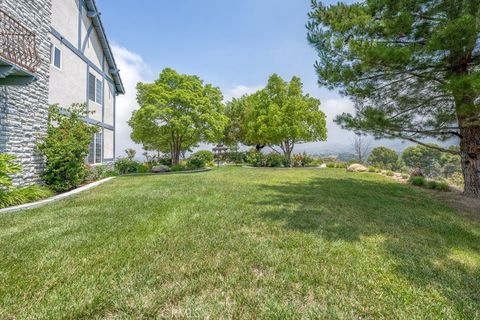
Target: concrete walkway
[[55, 198]]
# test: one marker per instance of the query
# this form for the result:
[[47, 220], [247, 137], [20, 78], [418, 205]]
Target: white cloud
[[239, 91], [332, 108], [132, 70]]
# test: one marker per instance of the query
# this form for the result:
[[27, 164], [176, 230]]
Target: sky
[[233, 44]]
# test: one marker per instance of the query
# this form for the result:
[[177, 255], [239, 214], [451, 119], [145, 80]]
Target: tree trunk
[[287, 148], [259, 147], [470, 152], [176, 154]]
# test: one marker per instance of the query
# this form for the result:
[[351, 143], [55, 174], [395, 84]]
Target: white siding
[[65, 19], [91, 46], [68, 85], [109, 103], [108, 144]]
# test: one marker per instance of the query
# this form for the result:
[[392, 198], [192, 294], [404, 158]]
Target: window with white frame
[[95, 89], [57, 57]]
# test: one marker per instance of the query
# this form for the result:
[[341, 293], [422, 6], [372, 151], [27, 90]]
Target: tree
[[279, 116], [383, 158], [176, 113], [361, 147], [130, 153], [450, 163], [426, 159], [411, 67], [66, 146]]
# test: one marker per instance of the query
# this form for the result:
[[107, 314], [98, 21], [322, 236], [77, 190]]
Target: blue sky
[[233, 44]]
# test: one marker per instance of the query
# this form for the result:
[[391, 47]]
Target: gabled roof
[[94, 14]]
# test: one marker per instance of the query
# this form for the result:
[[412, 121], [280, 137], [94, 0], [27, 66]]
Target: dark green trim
[[70, 46]]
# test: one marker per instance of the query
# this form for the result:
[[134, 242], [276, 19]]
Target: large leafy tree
[[383, 158], [412, 68], [278, 116], [424, 158], [177, 112]]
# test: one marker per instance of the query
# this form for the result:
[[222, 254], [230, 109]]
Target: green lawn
[[242, 243]]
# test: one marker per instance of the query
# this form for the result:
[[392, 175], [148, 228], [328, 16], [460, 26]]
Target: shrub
[[126, 166], [418, 181], [143, 168], [372, 169], [316, 162], [177, 167], [23, 195], [166, 161], [65, 147], [302, 160], [390, 173], [431, 184], [275, 160], [110, 173], [331, 164], [405, 176], [442, 186], [7, 168], [200, 159], [95, 172], [255, 158], [237, 157], [341, 165], [438, 185]]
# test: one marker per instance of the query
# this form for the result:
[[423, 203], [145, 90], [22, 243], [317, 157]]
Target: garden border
[[165, 173], [56, 198], [286, 168]]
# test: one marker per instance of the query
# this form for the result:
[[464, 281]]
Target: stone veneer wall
[[24, 109]]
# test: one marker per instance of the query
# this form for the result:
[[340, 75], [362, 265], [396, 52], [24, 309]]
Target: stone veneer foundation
[[24, 109]]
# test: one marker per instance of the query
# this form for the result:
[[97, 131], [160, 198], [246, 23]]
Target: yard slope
[[242, 243]]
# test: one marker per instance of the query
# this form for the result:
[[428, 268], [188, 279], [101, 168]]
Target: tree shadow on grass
[[431, 246]]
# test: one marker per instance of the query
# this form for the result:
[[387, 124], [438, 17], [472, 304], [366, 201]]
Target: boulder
[[357, 168], [160, 168], [416, 173]]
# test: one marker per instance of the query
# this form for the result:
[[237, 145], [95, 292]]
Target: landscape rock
[[160, 169], [417, 173], [357, 168]]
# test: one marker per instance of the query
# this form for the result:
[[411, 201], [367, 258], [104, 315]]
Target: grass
[[242, 243]]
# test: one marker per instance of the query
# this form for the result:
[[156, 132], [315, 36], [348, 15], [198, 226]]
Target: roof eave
[[98, 25]]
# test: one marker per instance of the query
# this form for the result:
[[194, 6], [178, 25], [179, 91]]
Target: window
[[57, 57], [91, 87], [95, 150], [95, 89], [99, 91], [98, 147]]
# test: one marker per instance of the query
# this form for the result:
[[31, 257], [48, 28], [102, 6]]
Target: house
[[54, 52]]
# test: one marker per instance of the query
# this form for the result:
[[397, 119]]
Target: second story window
[[99, 92], [91, 86], [95, 89], [57, 57]]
